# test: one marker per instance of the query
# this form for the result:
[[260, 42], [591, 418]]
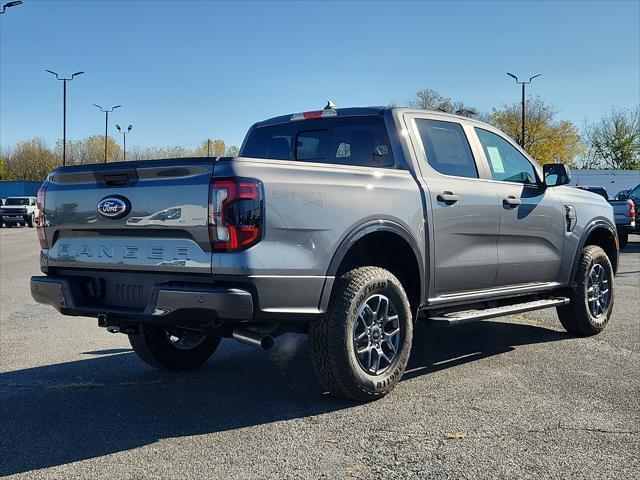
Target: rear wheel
[[361, 347], [592, 297], [172, 348]]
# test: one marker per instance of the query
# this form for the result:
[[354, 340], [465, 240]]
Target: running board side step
[[469, 316]]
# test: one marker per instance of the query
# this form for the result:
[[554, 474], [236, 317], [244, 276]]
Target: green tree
[[428, 99], [4, 172], [90, 150], [231, 151], [614, 140], [546, 139], [30, 160]]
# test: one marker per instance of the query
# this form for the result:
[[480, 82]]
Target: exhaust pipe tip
[[113, 329], [265, 342]]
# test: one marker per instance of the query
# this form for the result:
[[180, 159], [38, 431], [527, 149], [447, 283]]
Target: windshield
[[17, 201]]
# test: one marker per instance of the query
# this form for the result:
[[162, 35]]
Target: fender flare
[[589, 229], [359, 232]]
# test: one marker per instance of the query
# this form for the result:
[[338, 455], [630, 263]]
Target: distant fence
[[612, 180], [18, 189]]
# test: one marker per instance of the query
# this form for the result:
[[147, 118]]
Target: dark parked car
[[624, 211]]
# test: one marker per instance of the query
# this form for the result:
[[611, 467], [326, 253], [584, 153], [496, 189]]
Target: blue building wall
[[18, 189]]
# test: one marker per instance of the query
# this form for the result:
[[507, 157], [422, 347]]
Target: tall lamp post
[[64, 111], [9, 5], [106, 125], [124, 135], [523, 83]]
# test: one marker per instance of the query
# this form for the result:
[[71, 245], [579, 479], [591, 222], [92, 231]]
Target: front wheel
[[172, 348], [361, 347], [592, 296], [30, 221]]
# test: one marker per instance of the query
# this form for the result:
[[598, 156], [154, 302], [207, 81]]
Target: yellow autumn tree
[[216, 148], [546, 139]]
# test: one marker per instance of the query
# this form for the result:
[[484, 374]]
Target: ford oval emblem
[[113, 207]]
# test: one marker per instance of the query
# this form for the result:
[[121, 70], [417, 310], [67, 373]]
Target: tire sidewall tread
[[154, 348], [331, 337], [576, 317]]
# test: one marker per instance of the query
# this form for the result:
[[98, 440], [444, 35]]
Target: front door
[[464, 209], [532, 223]]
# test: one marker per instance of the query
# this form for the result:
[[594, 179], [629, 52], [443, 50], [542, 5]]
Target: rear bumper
[[166, 305]]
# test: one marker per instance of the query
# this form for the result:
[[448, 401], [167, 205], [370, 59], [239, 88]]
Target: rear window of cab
[[360, 141]]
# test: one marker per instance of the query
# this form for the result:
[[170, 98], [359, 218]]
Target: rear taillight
[[632, 210], [40, 217], [235, 213]]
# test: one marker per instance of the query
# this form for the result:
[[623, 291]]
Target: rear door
[[463, 228], [532, 221]]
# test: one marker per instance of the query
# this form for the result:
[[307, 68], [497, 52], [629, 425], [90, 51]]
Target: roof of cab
[[342, 112], [368, 111]]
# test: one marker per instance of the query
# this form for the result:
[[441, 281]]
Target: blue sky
[[184, 71]]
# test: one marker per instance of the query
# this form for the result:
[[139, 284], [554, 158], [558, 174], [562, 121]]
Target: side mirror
[[556, 174]]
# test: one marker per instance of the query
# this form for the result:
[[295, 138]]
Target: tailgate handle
[[116, 179]]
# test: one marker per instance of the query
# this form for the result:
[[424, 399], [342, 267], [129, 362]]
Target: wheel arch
[[406, 263], [602, 234]]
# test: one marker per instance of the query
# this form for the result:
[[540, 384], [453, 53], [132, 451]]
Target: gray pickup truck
[[346, 224]]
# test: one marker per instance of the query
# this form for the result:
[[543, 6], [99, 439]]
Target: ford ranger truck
[[345, 224]]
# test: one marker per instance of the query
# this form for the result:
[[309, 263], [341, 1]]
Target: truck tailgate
[[148, 215]]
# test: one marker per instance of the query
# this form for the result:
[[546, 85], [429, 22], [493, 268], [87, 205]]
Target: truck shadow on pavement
[[56, 414]]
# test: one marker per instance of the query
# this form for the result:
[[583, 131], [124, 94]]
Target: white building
[[612, 180]]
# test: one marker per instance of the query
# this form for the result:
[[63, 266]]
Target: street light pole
[[124, 135], [523, 83], [64, 112], [9, 5], [106, 125]]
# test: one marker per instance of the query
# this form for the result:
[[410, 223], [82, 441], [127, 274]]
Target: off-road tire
[[331, 338], [154, 347], [576, 317]]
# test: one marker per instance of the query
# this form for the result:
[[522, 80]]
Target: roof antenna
[[330, 105]]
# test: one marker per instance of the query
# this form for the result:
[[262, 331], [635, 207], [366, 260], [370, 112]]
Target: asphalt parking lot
[[515, 397]]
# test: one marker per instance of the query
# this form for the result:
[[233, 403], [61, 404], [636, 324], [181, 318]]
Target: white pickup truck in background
[[18, 211]]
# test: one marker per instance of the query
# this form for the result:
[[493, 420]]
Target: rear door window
[[361, 141], [447, 148]]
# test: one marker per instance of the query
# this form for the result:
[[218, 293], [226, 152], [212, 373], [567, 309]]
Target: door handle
[[448, 197], [512, 201]]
